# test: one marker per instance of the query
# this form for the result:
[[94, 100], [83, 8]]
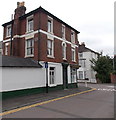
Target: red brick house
[[45, 38]]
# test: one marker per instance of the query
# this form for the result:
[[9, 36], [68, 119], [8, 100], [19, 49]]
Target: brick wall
[[40, 40]]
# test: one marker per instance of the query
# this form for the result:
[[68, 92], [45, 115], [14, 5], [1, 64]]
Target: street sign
[[46, 64]]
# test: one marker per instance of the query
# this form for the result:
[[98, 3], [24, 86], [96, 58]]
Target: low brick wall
[[113, 78]]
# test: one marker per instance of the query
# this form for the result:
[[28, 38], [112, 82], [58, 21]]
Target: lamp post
[[46, 66]]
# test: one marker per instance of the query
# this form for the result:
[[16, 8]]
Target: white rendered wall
[[58, 72], [69, 74], [89, 71], [22, 78]]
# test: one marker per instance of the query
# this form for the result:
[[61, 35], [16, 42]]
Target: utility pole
[[46, 66], [11, 35]]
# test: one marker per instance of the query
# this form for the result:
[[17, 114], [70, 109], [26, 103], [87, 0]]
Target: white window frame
[[31, 47], [64, 50], [72, 36], [80, 55], [27, 28], [82, 63], [81, 75], [8, 34], [85, 74], [50, 76], [73, 51], [73, 75], [63, 31], [6, 48], [51, 30], [52, 55]]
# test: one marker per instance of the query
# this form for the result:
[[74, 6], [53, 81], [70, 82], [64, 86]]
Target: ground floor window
[[73, 75], [80, 74], [52, 75], [85, 74]]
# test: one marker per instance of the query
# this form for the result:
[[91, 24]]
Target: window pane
[[72, 37], [73, 74], [80, 74], [73, 54], [52, 75], [63, 32], [64, 51], [49, 26], [30, 24], [30, 47], [49, 49], [8, 31], [84, 74]]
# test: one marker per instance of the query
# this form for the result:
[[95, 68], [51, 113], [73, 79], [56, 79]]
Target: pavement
[[17, 102]]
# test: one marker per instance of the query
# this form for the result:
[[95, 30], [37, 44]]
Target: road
[[94, 104]]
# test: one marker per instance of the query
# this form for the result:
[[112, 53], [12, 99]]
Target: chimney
[[20, 10], [83, 44]]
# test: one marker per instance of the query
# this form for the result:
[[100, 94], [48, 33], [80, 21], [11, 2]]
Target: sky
[[93, 18]]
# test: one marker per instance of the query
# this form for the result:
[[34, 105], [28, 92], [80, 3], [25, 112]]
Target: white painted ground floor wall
[[17, 78], [22, 78], [90, 74]]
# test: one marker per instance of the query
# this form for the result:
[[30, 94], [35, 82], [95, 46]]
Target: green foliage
[[103, 67], [115, 63], [114, 72]]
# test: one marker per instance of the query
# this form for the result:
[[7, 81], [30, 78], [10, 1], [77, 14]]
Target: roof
[[45, 11], [10, 61], [82, 48]]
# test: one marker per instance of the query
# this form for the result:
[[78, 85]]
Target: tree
[[114, 64], [103, 67]]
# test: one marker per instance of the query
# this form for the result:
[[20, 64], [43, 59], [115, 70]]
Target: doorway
[[65, 75]]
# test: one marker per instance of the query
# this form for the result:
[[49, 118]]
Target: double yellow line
[[45, 102]]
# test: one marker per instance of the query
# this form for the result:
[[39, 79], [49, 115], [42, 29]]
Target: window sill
[[73, 61], [29, 31], [64, 39], [8, 36], [52, 85], [50, 56], [65, 59], [26, 56], [51, 33]]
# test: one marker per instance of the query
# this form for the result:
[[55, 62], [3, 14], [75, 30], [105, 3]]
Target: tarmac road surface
[[94, 104]]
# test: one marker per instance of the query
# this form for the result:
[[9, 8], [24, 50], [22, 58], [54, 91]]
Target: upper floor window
[[8, 31], [64, 50], [80, 55], [50, 25], [73, 55], [77, 36], [50, 48], [6, 48], [82, 63], [30, 47], [30, 24], [72, 36], [63, 31]]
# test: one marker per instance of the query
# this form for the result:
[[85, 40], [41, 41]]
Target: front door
[[65, 76]]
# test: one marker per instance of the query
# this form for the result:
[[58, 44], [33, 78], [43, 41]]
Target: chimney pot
[[20, 10], [83, 43]]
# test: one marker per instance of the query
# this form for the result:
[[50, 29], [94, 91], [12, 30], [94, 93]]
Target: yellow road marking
[[45, 102]]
